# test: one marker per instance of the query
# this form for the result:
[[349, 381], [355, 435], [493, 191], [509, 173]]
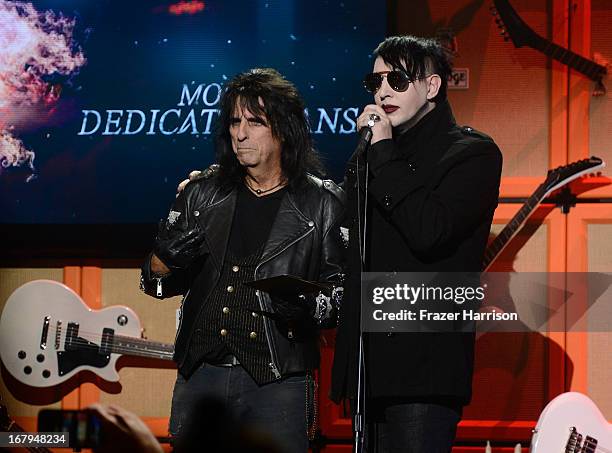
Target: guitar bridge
[[58, 334]]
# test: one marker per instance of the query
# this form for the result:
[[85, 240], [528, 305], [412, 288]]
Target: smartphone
[[83, 426]]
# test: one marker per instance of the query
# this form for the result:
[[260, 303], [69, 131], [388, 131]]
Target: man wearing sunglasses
[[433, 188]]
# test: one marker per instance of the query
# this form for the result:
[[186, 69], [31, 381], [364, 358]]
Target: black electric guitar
[[514, 28], [556, 179]]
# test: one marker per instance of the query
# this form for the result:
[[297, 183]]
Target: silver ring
[[373, 118]]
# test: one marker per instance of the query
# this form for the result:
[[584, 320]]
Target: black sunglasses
[[398, 80]]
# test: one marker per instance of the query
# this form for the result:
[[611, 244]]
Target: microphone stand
[[359, 420]]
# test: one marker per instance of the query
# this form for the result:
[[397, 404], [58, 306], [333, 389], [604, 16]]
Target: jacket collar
[[216, 218], [430, 128]]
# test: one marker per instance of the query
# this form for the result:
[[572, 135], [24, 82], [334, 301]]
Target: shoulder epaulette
[[332, 187], [471, 132]]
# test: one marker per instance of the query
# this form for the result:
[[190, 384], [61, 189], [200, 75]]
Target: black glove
[[177, 247], [293, 308]]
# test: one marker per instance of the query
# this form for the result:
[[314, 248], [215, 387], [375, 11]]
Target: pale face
[[252, 141], [405, 108]]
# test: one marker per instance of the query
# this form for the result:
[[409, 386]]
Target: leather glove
[[293, 308], [178, 248]]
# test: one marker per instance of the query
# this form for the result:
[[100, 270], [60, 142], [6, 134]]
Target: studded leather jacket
[[305, 241]]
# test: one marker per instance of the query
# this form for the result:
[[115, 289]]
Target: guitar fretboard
[[502, 239], [583, 65], [142, 348]]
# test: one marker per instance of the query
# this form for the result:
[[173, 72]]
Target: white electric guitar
[[48, 334], [571, 423]]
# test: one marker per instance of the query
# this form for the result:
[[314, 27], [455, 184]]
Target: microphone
[[365, 137]]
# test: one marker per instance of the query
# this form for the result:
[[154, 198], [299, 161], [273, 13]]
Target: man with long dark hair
[[433, 189], [260, 212]]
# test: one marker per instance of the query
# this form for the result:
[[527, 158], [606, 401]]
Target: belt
[[229, 360]]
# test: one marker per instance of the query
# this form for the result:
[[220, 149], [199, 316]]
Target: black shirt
[[253, 220]]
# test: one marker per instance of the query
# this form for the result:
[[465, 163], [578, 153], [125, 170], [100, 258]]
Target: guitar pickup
[[108, 338], [72, 332], [45, 333]]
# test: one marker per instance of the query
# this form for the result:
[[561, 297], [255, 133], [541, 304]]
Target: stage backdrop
[[105, 105]]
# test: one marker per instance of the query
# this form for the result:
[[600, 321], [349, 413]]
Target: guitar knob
[[122, 320]]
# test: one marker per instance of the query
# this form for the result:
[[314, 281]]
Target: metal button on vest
[[230, 289], [311, 223], [226, 310], [253, 335], [254, 315], [235, 268], [196, 213], [223, 332]]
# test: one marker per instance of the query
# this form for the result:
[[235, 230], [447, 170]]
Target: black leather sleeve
[[332, 267], [180, 239], [178, 244], [162, 286]]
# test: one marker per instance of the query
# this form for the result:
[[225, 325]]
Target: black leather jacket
[[304, 241]]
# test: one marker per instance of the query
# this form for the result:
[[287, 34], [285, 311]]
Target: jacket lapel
[[216, 221], [289, 225]]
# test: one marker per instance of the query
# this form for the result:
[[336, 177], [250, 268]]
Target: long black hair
[[418, 57], [283, 110]]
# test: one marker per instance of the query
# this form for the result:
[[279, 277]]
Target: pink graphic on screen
[[33, 45]]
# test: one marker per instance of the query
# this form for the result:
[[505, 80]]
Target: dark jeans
[[411, 428], [278, 408]]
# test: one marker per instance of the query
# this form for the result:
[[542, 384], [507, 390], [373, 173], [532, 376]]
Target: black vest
[[231, 321]]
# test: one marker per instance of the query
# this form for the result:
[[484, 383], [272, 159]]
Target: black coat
[[432, 195], [304, 241]]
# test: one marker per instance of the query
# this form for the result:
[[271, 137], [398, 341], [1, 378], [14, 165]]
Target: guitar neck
[[583, 65], [142, 348], [504, 237]]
